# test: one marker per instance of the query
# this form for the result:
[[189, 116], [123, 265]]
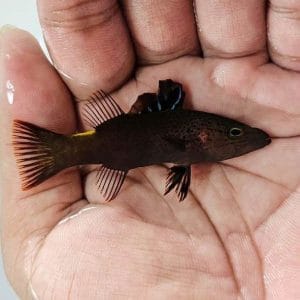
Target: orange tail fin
[[37, 152]]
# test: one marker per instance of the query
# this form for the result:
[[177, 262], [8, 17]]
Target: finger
[[88, 42], [245, 89], [30, 91], [231, 28], [162, 30], [264, 90], [284, 33]]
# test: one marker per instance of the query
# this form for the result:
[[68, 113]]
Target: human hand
[[237, 233]]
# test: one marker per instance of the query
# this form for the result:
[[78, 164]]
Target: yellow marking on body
[[86, 133]]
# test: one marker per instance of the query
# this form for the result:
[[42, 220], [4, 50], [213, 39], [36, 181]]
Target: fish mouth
[[261, 138], [268, 140]]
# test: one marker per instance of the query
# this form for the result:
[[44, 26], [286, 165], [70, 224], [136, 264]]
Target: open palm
[[237, 234]]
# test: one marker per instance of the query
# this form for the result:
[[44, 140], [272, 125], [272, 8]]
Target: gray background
[[23, 14]]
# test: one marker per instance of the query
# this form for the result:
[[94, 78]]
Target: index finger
[[30, 91], [88, 42]]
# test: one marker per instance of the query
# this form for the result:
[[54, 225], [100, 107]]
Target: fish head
[[225, 138]]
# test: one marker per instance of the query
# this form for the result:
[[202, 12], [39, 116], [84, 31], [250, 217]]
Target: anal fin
[[179, 178], [110, 181]]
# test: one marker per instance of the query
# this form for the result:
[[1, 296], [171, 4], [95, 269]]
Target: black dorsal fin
[[110, 181], [101, 107], [170, 97]]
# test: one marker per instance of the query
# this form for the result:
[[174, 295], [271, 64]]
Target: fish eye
[[235, 132]]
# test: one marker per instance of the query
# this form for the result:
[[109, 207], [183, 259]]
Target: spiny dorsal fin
[[110, 181], [101, 107]]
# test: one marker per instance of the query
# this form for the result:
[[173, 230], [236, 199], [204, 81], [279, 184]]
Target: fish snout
[[261, 137]]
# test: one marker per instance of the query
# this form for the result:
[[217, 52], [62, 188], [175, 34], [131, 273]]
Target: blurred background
[[22, 14]]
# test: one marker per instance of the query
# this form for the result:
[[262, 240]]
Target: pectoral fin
[[110, 181], [179, 178]]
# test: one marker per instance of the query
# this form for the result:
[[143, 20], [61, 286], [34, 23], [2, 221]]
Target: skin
[[237, 234]]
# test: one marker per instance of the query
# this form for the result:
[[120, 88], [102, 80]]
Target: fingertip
[[88, 42], [10, 33], [30, 86]]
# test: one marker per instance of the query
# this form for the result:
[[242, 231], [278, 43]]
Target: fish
[[156, 130]]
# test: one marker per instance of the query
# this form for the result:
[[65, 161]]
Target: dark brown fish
[[156, 130]]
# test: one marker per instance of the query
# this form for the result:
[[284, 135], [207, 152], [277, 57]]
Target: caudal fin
[[36, 150]]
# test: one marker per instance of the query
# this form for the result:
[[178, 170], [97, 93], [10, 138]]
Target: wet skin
[[240, 215]]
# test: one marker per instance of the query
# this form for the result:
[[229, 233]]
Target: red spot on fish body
[[203, 136]]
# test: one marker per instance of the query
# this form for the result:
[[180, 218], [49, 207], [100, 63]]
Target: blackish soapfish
[[156, 130]]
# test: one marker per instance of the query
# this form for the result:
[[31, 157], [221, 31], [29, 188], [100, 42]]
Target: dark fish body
[[136, 140], [147, 135]]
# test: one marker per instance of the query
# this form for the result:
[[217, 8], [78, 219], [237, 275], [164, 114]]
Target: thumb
[[31, 91]]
